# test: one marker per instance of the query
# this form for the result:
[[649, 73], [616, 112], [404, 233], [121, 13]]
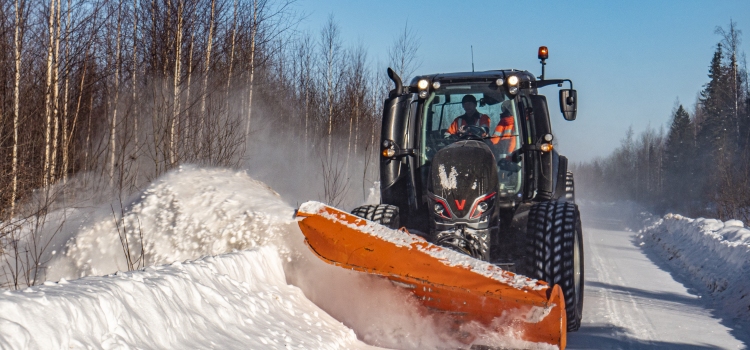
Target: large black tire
[[570, 189], [556, 253], [384, 214]]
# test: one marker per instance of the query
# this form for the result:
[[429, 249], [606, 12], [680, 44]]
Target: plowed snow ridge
[[710, 253], [236, 300]]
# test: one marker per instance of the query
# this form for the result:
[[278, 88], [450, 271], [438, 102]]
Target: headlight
[[439, 208], [499, 82], [513, 80], [423, 94], [436, 85], [423, 84], [482, 207], [483, 204], [548, 137]]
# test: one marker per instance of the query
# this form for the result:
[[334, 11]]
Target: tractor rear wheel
[[556, 253], [570, 189], [384, 214]]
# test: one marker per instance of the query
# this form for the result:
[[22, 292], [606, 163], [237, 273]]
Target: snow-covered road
[[632, 301]]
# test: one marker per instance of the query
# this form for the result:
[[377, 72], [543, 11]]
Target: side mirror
[[568, 103]]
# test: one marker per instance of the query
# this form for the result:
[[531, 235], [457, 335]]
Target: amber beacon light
[[543, 53]]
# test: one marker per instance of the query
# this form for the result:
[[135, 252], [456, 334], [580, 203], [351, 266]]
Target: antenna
[[472, 58]]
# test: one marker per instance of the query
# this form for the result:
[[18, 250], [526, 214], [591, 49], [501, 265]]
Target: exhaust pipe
[[396, 80]]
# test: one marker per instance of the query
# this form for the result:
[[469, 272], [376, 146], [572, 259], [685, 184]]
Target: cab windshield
[[477, 112]]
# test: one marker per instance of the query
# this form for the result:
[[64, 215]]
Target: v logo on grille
[[461, 205]]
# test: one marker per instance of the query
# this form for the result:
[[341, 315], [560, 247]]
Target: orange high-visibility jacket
[[483, 120], [504, 135]]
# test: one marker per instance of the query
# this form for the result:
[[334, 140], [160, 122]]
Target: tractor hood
[[462, 175]]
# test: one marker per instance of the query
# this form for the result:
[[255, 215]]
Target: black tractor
[[467, 161]]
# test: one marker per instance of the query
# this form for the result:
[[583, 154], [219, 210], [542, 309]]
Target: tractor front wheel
[[555, 253], [384, 214]]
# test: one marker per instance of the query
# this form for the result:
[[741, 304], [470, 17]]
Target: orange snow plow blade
[[442, 279]]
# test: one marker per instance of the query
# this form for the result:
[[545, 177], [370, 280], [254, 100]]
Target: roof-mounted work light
[[513, 84], [423, 85]]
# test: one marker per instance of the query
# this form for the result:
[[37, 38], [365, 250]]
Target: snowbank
[[712, 253], [236, 300]]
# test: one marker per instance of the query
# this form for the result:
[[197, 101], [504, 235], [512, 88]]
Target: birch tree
[[65, 143], [231, 50], [330, 43], [176, 88], [48, 96], [253, 37], [207, 66], [134, 82], [115, 101], [403, 53], [17, 41], [55, 95]]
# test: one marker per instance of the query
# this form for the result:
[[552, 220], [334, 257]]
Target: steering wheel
[[472, 132]]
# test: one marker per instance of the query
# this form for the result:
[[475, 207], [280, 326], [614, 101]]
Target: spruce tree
[[679, 161], [711, 134], [715, 140]]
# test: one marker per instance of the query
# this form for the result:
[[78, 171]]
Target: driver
[[471, 117], [503, 137]]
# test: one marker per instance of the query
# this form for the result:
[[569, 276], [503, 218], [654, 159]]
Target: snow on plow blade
[[442, 279]]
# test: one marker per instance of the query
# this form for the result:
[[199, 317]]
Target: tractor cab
[[508, 117], [444, 120]]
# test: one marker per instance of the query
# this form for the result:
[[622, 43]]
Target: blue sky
[[629, 60]]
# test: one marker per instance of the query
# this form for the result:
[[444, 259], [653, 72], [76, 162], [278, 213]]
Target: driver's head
[[469, 102]]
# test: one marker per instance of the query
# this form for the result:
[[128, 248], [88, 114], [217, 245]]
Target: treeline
[[128, 89], [701, 165], [102, 96]]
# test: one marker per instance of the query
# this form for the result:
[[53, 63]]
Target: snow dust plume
[[380, 313], [302, 172], [185, 214]]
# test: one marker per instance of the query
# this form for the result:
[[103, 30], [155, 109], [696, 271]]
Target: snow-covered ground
[[227, 268]]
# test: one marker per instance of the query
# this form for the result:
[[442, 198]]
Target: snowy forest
[[100, 97], [699, 166]]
